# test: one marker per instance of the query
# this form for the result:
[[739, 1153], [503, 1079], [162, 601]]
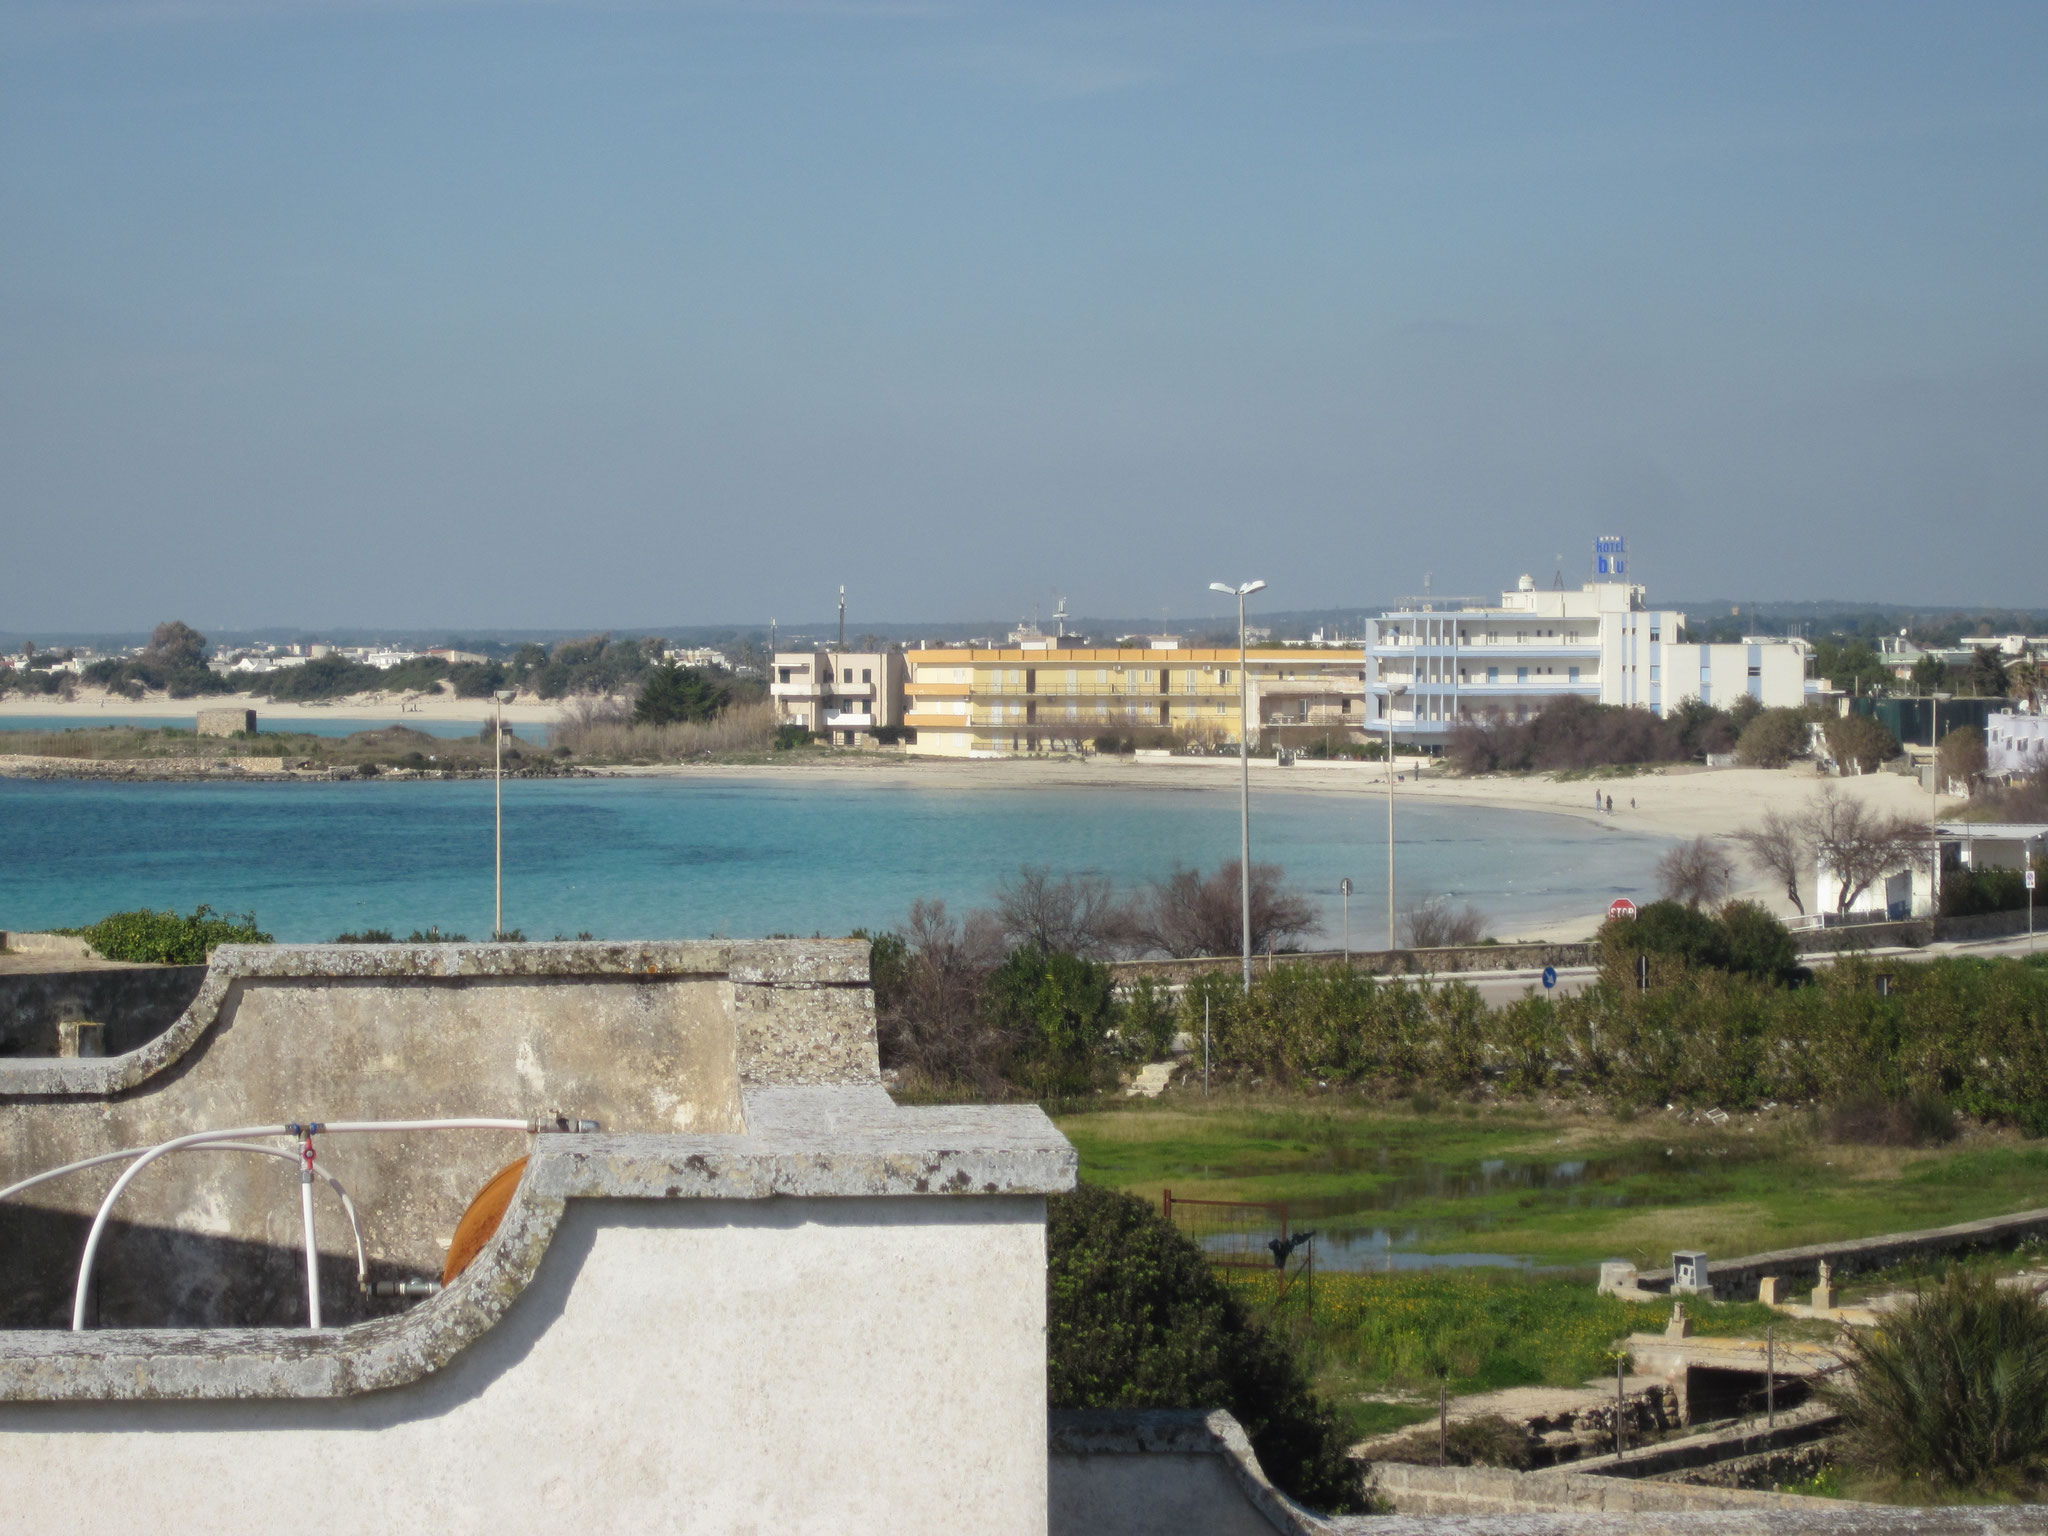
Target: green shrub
[[166, 938], [1136, 1318], [367, 936], [1952, 1390], [1969, 892], [791, 736], [673, 694], [1058, 1013]]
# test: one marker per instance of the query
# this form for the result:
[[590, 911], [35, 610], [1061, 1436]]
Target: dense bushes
[[1568, 732], [1969, 892], [1973, 1033], [1136, 1318], [1951, 1393], [167, 938], [1743, 938]]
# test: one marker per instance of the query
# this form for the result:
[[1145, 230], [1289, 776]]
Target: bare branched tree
[[1698, 873], [1075, 913], [933, 1023], [1859, 843], [1780, 850], [1188, 913], [1433, 923]]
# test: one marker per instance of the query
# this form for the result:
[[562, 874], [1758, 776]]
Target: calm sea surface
[[687, 858]]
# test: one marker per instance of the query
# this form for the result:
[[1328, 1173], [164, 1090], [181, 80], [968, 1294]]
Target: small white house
[[2015, 745], [1914, 888]]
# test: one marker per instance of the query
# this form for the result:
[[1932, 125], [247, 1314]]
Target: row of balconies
[[1545, 683]]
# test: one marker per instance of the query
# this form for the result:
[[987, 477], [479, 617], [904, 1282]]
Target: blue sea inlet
[[691, 857]]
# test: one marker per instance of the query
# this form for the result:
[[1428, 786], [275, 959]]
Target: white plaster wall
[[782, 1366]]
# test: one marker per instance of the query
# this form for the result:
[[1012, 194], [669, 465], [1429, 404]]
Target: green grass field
[[1648, 1186], [1378, 1344]]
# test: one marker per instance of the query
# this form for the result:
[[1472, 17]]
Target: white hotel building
[[1430, 666]]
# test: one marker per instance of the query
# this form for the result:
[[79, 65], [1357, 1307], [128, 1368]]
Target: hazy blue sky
[[562, 314]]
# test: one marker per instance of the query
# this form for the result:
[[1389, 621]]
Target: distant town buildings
[[848, 697], [1433, 664], [2015, 744]]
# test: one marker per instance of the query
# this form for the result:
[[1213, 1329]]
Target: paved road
[[1500, 988]]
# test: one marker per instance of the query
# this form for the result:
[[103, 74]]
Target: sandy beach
[[1679, 801], [93, 704]]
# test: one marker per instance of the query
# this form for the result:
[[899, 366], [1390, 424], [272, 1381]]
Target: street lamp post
[[1345, 887], [1934, 802], [1394, 691], [499, 701], [1244, 769]]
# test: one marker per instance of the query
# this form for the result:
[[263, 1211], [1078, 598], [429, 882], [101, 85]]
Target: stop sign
[[1621, 907]]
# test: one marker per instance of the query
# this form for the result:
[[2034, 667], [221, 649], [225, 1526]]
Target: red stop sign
[[1621, 907]]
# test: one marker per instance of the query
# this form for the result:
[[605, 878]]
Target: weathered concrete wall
[[1735, 1279], [135, 1003], [1416, 1490], [226, 722], [641, 1038], [1159, 1473], [823, 1365]]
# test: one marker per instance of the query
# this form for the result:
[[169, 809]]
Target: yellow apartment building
[[1054, 698]]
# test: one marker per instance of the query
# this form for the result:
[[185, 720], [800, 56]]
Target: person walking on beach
[[1610, 805]]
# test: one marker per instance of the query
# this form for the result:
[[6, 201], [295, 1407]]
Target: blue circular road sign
[[1549, 977]]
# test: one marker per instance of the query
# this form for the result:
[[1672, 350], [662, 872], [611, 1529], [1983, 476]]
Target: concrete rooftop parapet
[[1151, 1472], [846, 1143], [801, 1006]]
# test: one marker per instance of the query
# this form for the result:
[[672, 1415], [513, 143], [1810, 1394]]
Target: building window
[[1574, 677], [847, 676], [1493, 674], [1521, 674], [867, 674], [785, 671]]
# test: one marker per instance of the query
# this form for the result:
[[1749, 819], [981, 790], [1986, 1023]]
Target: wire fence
[[1236, 1234]]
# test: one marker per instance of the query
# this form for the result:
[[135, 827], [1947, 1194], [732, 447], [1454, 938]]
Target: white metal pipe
[[99, 1221], [347, 1205], [203, 1138], [78, 1167], [312, 1247]]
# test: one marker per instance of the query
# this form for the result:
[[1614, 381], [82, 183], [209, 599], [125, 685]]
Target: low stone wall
[[1912, 933], [1377, 962], [1736, 1279], [1414, 1490], [63, 946]]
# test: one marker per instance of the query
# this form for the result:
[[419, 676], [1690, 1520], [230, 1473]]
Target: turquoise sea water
[[686, 858]]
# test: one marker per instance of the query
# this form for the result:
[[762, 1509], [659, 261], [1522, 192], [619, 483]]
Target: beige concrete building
[[1059, 697], [844, 696]]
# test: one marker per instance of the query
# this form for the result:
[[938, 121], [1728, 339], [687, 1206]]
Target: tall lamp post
[[1244, 769], [1934, 802], [499, 701], [1394, 691]]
